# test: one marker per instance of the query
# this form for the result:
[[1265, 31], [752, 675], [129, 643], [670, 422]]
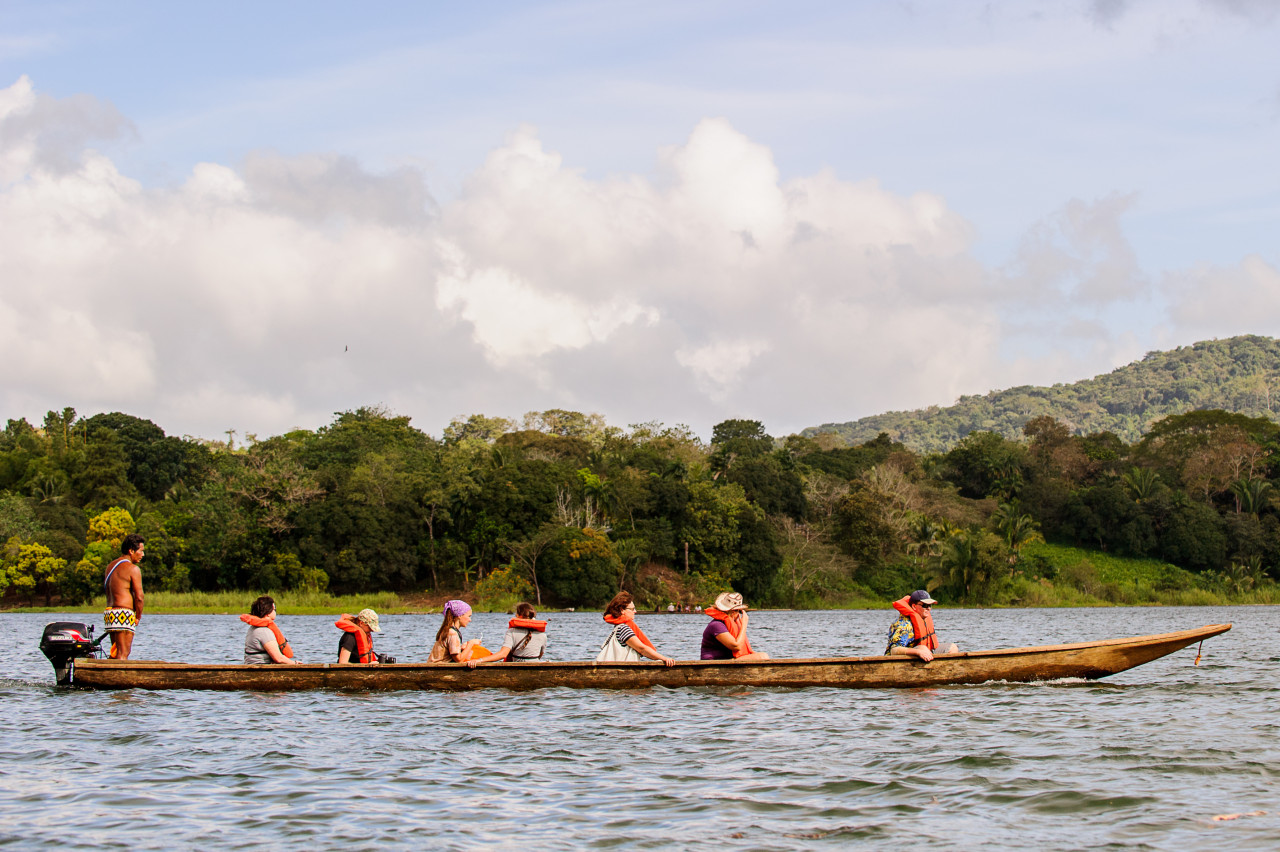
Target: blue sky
[[801, 213]]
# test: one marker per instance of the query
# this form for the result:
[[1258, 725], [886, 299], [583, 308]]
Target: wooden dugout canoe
[[1089, 660]]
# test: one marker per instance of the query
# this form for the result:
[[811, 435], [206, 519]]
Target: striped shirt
[[625, 635]]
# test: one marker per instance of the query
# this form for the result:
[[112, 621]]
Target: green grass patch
[[1061, 575]]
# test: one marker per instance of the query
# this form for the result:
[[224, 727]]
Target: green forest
[[1235, 374], [563, 510]]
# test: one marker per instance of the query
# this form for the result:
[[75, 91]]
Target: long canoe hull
[[1089, 660]]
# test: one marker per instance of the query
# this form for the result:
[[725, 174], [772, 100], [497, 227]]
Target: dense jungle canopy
[[564, 509]]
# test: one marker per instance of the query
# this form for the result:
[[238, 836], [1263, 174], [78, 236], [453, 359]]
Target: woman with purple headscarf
[[449, 647]]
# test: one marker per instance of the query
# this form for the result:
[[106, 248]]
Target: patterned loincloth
[[118, 619]]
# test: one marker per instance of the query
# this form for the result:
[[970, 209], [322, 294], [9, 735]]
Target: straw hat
[[730, 601]]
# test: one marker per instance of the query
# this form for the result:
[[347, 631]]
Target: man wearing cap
[[912, 633], [356, 645]]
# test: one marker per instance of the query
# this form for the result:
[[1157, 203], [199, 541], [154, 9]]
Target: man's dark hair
[[262, 606], [131, 543]]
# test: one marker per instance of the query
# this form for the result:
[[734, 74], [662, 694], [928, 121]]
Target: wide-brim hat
[[730, 601], [370, 618]]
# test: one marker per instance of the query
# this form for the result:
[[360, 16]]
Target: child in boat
[[449, 647], [726, 636], [526, 639], [621, 612], [264, 643]]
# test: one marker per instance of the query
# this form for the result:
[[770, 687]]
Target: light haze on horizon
[[251, 216]]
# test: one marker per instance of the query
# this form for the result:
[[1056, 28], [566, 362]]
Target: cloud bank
[[270, 294]]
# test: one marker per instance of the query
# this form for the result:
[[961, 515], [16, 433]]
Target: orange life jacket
[[630, 622], [364, 645], [921, 625], [735, 629], [531, 624], [254, 621]]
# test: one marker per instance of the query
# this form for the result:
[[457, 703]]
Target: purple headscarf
[[458, 608]]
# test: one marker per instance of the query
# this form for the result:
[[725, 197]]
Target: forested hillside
[[563, 509], [1239, 374]]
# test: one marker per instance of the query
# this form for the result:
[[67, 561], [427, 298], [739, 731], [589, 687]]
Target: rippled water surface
[[1143, 760]]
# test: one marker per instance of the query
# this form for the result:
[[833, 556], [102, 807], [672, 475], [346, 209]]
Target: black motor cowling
[[63, 642]]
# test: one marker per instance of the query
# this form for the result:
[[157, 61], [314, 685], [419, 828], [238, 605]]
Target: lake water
[[1143, 760]]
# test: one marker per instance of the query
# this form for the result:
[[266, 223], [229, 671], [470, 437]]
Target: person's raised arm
[[648, 651]]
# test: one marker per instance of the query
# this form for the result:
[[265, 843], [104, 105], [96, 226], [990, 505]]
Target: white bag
[[613, 651]]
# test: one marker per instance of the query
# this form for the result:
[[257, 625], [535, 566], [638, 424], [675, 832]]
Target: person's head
[[263, 607], [368, 619], [920, 599], [731, 603], [132, 545], [621, 603], [525, 610], [456, 614]]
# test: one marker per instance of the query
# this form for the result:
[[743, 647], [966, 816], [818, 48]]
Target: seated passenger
[[356, 645], [627, 641], [264, 643], [912, 632], [725, 638], [449, 647], [526, 639]]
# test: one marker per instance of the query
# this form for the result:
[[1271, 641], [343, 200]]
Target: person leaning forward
[[356, 645], [912, 633], [123, 588], [627, 637]]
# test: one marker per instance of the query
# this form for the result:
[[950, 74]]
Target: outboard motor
[[63, 642]]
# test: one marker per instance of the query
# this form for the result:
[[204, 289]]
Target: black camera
[[386, 659]]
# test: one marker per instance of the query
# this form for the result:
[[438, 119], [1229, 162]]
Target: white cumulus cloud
[[270, 293]]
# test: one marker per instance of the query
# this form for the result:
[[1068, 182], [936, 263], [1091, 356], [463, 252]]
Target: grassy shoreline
[[390, 603], [1050, 576]]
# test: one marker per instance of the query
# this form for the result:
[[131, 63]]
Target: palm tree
[[1017, 528], [1244, 575], [962, 564], [1252, 495], [927, 536], [1142, 482]]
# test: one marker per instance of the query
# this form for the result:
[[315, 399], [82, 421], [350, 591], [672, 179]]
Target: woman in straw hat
[[726, 636]]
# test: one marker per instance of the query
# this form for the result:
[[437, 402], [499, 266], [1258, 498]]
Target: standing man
[[913, 633], [123, 586]]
